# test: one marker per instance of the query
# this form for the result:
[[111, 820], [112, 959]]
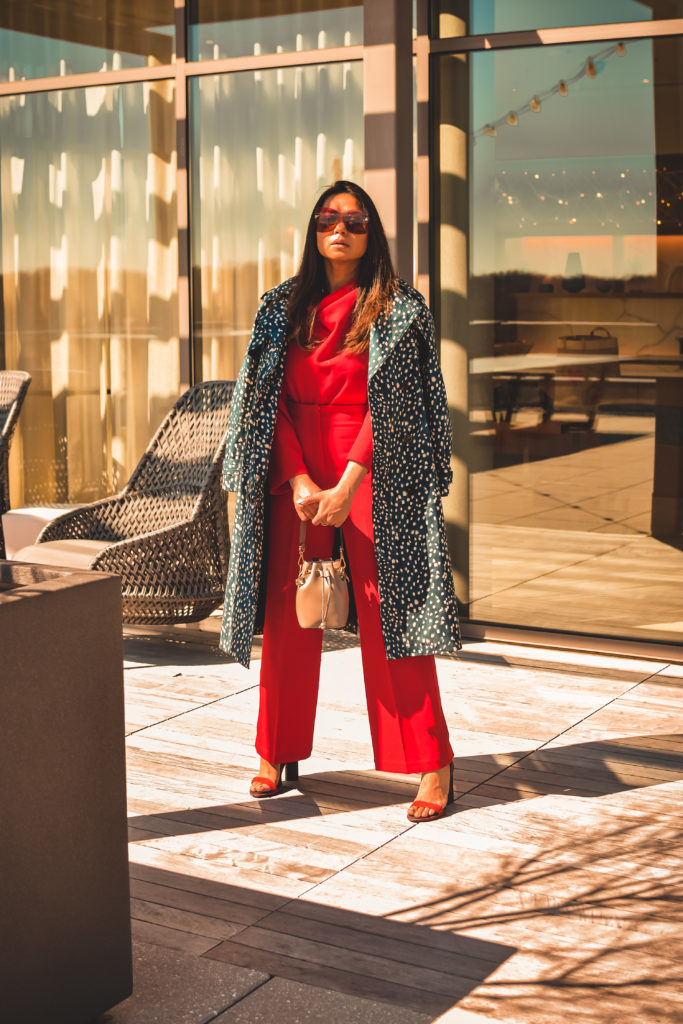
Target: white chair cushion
[[22, 525], [69, 554]]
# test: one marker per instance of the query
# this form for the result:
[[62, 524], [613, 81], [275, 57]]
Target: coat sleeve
[[241, 408], [436, 402]]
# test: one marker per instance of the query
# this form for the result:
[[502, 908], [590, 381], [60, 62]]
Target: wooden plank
[[364, 965], [647, 766], [380, 927], [573, 664], [317, 859], [366, 986], [182, 920], [340, 848], [288, 816], [265, 881], [398, 943], [171, 938], [238, 914], [244, 905], [224, 852]]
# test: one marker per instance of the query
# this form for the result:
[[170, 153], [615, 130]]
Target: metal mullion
[[588, 643], [272, 61], [421, 51], [56, 82], [558, 36], [183, 68], [183, 199]]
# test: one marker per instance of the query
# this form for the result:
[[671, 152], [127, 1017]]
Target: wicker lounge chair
[[13, 387], [166, 532]]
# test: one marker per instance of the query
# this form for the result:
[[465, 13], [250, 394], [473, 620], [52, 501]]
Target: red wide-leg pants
[[407, 725]]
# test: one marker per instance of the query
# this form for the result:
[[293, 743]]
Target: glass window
[[572, 324], [235, 28], [88, 281], [39, 39], [477, 17], [263, 145]]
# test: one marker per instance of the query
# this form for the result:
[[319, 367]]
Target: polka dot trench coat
[[410, 474]]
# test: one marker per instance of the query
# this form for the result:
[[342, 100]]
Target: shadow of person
[[593, 768]]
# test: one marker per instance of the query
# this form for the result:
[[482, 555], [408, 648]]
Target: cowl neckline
[[334, 313]]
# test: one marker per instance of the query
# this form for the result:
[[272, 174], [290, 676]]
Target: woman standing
[[339, 418]]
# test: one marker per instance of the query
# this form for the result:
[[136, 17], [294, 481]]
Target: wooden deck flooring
[[551, 893]]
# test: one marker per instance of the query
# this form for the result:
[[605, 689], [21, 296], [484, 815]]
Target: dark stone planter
[[64, 912]]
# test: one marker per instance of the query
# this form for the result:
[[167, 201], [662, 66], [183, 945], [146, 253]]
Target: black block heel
[[291, 771]]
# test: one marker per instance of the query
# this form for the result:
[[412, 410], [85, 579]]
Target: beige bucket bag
[[322, 587]]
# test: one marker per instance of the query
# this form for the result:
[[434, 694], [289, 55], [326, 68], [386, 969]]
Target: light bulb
[[562, 88], [535, 104], [489, 129], [512, 119], [620, 49], [590, 68]]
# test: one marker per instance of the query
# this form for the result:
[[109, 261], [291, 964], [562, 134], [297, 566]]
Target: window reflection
[[235, 28], [576, 338], [40, 39], [264, 143], [88, 289], [465, 17]]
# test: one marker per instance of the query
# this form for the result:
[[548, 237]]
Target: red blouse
[[325, 375]]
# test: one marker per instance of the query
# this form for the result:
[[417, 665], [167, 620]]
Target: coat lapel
[[385, 336]]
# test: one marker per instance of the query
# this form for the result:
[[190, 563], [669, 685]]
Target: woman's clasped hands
[[329, 507]]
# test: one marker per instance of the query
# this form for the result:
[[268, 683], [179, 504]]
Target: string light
[[599, 209], [590, 68], [625, 200]]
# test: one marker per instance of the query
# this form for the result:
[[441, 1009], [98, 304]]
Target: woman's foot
[[268, 782], [267, 771], [436, 788]]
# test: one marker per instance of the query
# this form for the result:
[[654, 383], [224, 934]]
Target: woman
[[339, 418]]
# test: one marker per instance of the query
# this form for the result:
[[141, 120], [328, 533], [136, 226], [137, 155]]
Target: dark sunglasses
[[355, 221]]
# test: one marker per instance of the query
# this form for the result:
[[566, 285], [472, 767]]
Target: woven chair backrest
[[184, 458], [13, 387]]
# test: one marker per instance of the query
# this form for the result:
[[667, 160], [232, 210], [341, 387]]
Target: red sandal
[[437, 808], [291, 774]]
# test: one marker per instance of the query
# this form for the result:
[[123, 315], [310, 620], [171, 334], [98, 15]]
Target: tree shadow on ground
[[597, 913], [528, 917]]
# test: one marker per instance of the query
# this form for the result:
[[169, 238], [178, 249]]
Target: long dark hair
[[377, 280]]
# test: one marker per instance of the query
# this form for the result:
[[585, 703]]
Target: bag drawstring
[[326, 596]]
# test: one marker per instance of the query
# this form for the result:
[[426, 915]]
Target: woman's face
[[339, 245]]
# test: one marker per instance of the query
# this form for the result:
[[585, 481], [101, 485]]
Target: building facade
[[158, 162]]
